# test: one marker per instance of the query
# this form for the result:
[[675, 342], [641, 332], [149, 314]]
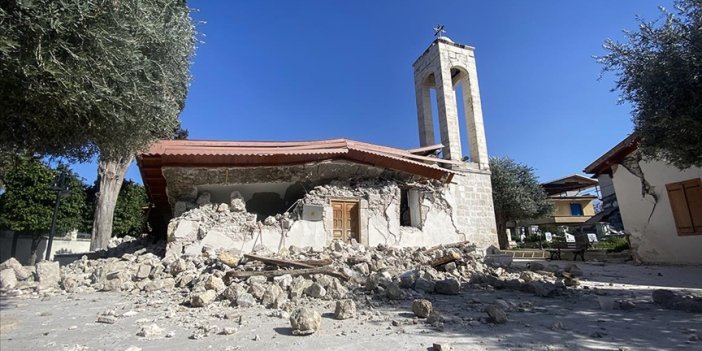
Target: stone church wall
[[229, 226]]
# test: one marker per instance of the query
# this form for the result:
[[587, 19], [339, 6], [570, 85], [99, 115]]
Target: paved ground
[[68, 322]]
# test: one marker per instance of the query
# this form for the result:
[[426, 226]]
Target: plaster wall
[[447, 214], [24, 247], [650, 222]]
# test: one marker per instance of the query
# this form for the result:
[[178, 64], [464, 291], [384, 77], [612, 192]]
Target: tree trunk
[[502, 235], [110, 175], [36, 240]]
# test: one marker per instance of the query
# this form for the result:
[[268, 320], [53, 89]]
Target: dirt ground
[[588, 320]]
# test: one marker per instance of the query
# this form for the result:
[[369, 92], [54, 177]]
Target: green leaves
[[659, 71], [82, 77], [28, 201], [516, 192]]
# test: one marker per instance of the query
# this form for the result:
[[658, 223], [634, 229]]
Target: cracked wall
[[646, 212], [229, 226]]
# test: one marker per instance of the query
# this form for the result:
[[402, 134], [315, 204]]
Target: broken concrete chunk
[[421, 308], [496, 314], [245, 300], [236, 202], [8, 280], [215, 283], [345, 309], [257, 279], [21, 272], [323, 280], [159, 284], [48, 274], [184, 231], [542, 289], [502, 261], [271, 295], [574, 270], [202, 299], [305, 321], [393, 291], [441, 346], [407, 279], [422, 284], [106, 319], [536, 266], [316, 290], [283, 281], [257, 290], [150, 331], [298, 287], [223, 208], [448, 287], [143, 271], [228, 259]]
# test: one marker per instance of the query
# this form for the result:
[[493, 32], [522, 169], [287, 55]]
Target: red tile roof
[[203, 153]]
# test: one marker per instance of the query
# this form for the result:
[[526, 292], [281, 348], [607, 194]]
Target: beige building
[[573, 204], [660, 205], [238, 195]]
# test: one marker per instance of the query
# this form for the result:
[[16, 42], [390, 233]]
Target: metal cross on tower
[[439, 30]]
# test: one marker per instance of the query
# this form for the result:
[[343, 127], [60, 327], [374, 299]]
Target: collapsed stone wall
[[230, 226]]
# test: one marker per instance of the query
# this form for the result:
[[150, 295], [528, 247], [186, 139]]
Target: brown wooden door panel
[[338, 232], [345, 220], [352, 222]]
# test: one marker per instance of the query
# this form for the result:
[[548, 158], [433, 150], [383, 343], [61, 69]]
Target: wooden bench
[[578, 248]]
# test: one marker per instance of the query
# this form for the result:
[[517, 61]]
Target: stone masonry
[[443, 66]]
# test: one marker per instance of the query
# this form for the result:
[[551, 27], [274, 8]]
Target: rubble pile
[[348, 272]]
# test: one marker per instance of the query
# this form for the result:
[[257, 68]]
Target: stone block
[[48, 274]]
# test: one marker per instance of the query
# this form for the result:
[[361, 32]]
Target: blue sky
[[299, 70]]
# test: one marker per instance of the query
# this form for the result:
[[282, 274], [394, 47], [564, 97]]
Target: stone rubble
[[421, 308], [305, 321], [381, 274], [345, 309]]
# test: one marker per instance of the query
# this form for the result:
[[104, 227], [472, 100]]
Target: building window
[[409, 208], [576, 209], [686, 203]]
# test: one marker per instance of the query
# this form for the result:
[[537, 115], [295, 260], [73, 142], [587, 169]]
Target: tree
[[516, 195], [130, 215], [28, 202], [659, 71], [93, 77]]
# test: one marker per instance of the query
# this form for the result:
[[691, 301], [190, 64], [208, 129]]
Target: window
[[686, 203], [409, 208], [576, 209]]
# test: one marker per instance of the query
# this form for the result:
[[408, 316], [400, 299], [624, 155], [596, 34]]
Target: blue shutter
[[576, 209]]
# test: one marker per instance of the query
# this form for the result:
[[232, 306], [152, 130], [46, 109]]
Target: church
[[240, 195]]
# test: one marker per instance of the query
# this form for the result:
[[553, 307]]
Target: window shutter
[[678, 203], [693, 195]]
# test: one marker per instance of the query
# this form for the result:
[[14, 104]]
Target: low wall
[[24, 245]]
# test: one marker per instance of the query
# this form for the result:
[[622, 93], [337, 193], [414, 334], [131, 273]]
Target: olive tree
[[659, 71], [93, 77], [516, 195]]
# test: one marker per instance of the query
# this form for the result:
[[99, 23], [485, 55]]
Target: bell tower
[[442, 67]]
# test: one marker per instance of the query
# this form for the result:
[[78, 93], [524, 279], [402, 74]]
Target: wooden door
[[345, 220]]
